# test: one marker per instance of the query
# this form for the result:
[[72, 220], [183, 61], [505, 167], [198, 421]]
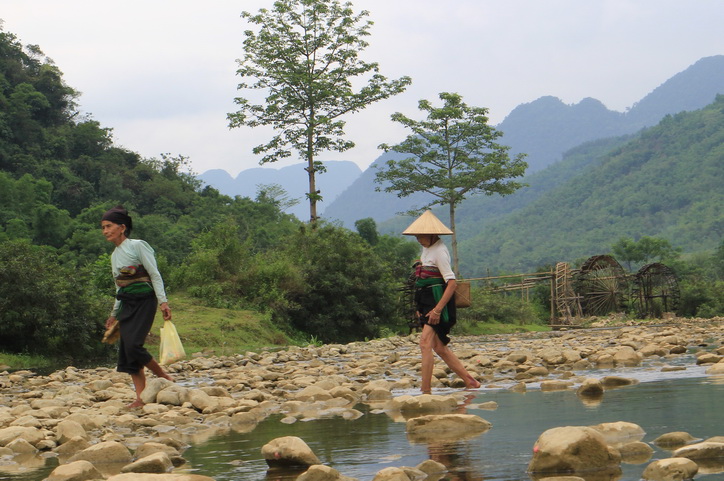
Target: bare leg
[[454, 363], [427, 339], [139, 382], [158, 370]]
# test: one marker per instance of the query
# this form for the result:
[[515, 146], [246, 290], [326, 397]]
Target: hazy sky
[[161, 73]]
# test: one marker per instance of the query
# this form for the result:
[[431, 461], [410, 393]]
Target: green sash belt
[[437, 284]]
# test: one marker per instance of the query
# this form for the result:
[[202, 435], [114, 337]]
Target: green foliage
[[489, 307], [305, 55], [46, 307], [643, 251], [367, 229], [348, 291]]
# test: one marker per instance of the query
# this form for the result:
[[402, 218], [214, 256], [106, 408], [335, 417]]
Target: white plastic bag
[[170, 348]]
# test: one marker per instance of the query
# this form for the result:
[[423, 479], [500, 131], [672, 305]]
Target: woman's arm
[[433, 317]]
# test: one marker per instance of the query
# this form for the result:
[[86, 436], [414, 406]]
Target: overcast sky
[[161, 73]]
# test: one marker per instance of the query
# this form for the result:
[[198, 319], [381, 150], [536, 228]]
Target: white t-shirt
[[133, 252], [438, 256]]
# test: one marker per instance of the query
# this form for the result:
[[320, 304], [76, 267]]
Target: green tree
[[367, 229], [454, 153], [305, 54], [46, 307], [644, 250]]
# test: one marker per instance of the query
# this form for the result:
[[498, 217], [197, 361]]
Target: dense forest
[[60, 172]]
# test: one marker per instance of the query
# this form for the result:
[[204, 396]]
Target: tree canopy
[[305, 55]]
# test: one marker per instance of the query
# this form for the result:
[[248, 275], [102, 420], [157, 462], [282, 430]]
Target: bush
[[348, 292], [48, 308], [490, 307]]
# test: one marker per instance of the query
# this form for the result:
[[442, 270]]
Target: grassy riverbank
[[224, 332]]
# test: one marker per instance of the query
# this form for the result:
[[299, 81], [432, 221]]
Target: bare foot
[[472, 383], [136, 404], [426, 392], [166, 376]]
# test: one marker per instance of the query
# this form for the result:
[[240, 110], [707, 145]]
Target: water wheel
[[566, 301], [602, 285], [656, 291]]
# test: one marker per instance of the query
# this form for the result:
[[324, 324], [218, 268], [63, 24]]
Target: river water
[[686, 400]]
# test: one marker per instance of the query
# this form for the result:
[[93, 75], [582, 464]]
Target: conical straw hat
[[427, 223]]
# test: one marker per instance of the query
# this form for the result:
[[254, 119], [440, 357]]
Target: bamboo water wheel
[[567, 301], [656, 290], [603, 286]]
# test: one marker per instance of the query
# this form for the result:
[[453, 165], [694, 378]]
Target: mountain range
[[545, 129]]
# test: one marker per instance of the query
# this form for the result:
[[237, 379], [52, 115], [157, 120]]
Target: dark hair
[[119, 215]]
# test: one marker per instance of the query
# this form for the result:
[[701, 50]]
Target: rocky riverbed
[[79, 416]]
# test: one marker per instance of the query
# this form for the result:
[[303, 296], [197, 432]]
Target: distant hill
[[665, 182], [547, 128], [293, 178]]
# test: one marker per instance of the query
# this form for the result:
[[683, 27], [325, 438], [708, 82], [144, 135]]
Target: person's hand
[[110, 321], [166, 311], [433, 317]]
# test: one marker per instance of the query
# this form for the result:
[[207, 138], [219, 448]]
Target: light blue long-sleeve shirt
[[134, 252]]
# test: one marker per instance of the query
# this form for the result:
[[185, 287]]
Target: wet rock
[[572, 449], [591, 388], [636, 452], [620, 432], [68, 429], [425, 403], [320, 472], [29, 434], [626, 356], [104, 452], [670, 469], [674, 439], [445, 426], [612, 382], [717, 368], [707, 358], [72, 446], [703, 450], [20, 446], [288, 451], [432, 467], [391, 474], [555, 385], [158, 462], [75, 471]]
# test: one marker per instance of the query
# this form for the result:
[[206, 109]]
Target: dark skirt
[[425, 302], [136, 319]]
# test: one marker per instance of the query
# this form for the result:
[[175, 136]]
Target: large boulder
[[425, 403], [445, 426], [158, 462], [670, 469], [104, 452], [674, 439], [320, 472], [391, 474], [30, 434], [75, 471], [572, 449], [288, 451], [704, 450]]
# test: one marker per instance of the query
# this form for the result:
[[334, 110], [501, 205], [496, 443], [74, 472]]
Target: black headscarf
[[119, 215]]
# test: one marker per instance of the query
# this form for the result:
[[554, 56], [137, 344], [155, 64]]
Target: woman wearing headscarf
[[435, 299], [139, 292]]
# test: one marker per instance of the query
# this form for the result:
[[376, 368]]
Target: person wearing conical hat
[[435, 299]]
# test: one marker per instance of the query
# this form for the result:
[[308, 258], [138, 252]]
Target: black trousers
[[136, 319]]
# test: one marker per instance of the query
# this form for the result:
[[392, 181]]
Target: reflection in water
[[457, 458]]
